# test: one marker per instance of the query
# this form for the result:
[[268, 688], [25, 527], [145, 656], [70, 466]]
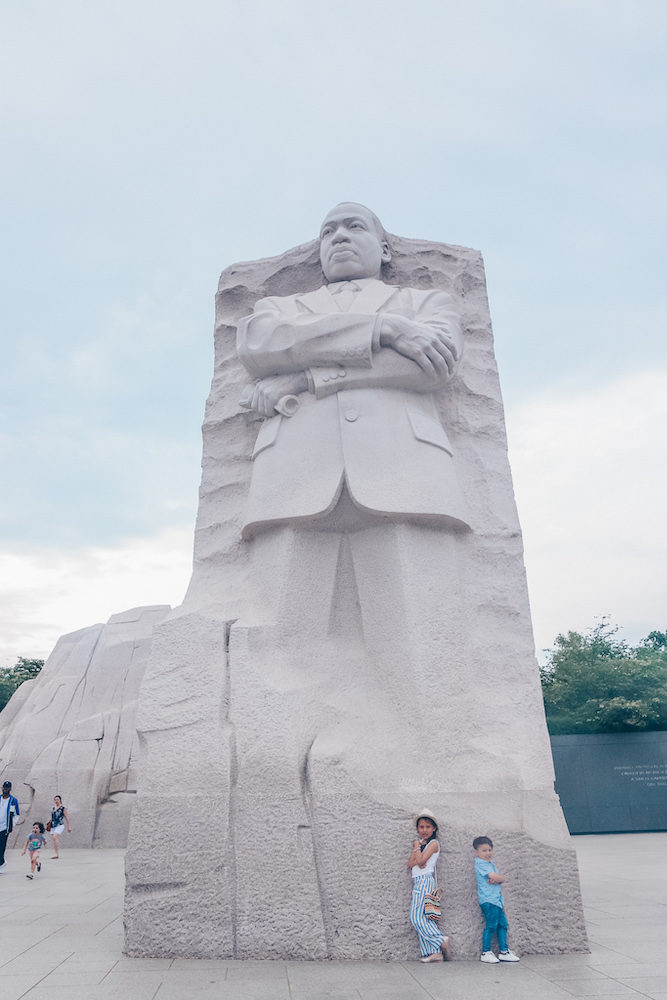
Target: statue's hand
[[267, 392], [430, 348]]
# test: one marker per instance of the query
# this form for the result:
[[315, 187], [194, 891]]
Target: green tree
[[597, 683], [12, 677]]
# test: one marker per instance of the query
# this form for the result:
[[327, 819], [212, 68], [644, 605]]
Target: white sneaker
[[488, 956], [508, 956], [2, 868]]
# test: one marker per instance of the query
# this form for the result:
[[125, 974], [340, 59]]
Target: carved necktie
[[345, 294]]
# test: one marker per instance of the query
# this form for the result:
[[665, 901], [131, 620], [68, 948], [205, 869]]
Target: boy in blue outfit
[[492, 903]]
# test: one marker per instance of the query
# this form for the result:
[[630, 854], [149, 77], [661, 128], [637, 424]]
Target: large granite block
[[335, 669]]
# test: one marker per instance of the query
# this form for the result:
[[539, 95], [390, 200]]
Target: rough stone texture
[[72, 730], [306, 754]]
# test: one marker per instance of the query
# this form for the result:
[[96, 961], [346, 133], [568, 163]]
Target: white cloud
[[46, 593], [591, 484], [590, 480], [142, 161]]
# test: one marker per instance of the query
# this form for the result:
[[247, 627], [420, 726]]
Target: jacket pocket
[[427, 429], [268, 433]]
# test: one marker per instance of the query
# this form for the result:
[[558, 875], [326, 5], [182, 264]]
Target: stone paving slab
[[61, 935]]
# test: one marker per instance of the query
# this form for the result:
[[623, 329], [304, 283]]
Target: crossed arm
[[330, 353], [417, 857]]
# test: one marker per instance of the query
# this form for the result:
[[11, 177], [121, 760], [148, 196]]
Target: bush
[[596, 683], [12, 677]]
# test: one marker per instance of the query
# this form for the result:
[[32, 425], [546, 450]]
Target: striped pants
[[429, 934]]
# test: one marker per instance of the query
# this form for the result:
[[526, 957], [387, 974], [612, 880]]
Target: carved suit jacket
[[369, 419]]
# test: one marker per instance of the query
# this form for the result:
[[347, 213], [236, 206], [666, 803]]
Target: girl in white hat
[[423, 858]]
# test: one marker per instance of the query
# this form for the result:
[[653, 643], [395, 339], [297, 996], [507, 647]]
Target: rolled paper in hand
[[287, 405], [246, 397]]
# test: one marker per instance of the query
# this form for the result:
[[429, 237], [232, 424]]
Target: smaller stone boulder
[[71, 731]]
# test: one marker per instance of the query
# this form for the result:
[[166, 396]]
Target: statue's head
[[353, 243]]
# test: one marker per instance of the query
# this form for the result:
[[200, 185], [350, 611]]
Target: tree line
[[12, 677], [597, 683]]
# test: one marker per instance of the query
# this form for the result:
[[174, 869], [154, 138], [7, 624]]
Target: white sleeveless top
[[429, 867]]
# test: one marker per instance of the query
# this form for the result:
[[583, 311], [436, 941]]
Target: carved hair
[[379, 228]]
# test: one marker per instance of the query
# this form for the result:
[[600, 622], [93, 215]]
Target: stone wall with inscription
[[612, 783]]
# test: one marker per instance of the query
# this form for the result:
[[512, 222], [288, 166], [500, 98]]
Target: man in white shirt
[[9, 808]]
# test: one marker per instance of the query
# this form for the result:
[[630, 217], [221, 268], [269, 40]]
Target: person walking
[[9, 808], [33, 845], [59, 817]]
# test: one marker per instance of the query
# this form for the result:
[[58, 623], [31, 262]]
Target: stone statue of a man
[[366, 650], [363, 357]]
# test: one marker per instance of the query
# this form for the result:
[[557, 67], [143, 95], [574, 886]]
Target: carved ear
[[386, 253]]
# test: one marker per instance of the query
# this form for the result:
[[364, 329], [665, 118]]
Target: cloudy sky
[[147, 144]]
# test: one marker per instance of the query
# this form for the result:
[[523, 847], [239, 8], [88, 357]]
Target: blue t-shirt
[[487, 892]]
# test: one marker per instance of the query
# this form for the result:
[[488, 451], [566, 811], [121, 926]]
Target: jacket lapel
[[373, 295], [319, 301]]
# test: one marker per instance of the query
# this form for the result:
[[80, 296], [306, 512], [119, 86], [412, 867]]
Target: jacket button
[[351, 415]]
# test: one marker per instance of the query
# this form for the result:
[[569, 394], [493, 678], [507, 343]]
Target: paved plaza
[[61, 935]]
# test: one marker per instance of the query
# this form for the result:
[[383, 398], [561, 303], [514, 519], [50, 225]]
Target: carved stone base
[[284, 826]]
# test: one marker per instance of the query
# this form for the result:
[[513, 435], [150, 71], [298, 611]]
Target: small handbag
[[432, 905], [48, 825]]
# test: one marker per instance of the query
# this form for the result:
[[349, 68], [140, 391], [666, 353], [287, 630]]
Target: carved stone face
[[350, 245]]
